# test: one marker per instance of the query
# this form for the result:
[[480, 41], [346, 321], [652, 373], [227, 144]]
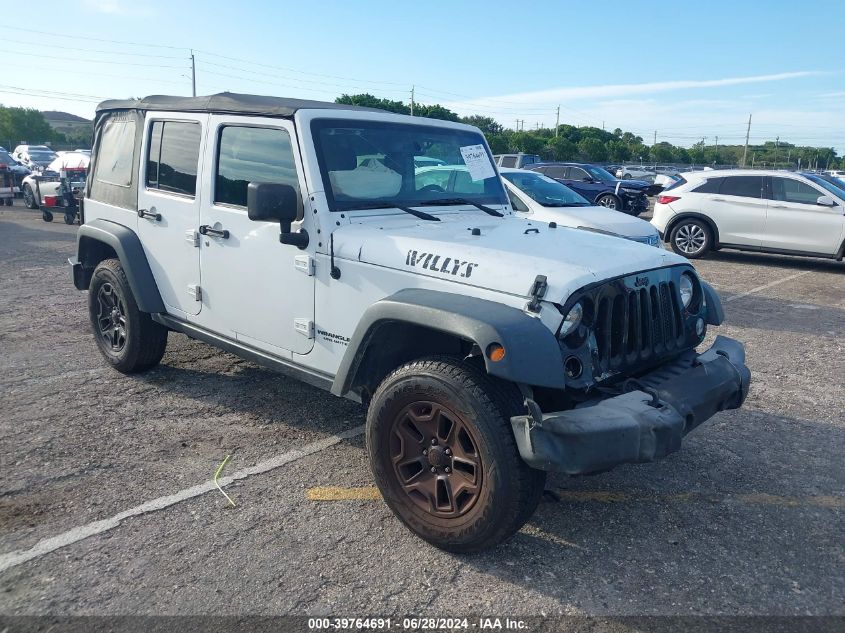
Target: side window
[[173, 155], [555, 171], [252, 154], [709, 186], [576, 173], [114, 155], [790, 190], [742, 186], [508, 161], [516, 203]]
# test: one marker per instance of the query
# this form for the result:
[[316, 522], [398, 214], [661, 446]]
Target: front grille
[[634, 326]]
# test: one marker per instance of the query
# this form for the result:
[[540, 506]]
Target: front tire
[[126, 337], [691, 238], [610, 201], [29, 197], [444, 457]]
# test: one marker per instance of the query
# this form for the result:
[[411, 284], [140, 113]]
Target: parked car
[[517, 161], [635, 172], [35, 157], [599, 186], [485, 351], [48, 180], [13, 165], [768, 211], [538, 197]]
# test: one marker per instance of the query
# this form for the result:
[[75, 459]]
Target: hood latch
[[537, 292]]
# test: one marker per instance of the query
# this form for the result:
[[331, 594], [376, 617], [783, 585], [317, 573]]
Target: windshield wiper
[[449, 201], [387, 205]]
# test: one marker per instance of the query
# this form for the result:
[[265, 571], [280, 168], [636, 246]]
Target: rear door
[[738, 208], [169, 206], [255, 289], [796, 222]]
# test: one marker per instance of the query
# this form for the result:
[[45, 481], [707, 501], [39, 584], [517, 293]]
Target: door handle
[[779, 206], [716, 199], [207, 230], [150, 215]]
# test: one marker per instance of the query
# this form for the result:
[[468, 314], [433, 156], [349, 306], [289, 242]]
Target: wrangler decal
[[430, 261]]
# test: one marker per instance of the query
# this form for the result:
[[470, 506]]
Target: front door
[[254, 289], [796, 222], [169, 206]]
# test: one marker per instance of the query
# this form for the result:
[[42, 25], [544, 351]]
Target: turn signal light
[[495, 352], [667, 199]]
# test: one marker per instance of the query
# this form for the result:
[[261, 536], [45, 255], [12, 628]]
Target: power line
[[96, 50], [92, 39], [91, 61]]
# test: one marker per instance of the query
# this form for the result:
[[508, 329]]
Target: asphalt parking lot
[[747, 519]]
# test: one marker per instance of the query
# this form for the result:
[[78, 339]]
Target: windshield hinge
[[304, 264], [537, 292]]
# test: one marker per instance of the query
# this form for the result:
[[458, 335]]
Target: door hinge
[[304, 327], [304, 264], [195, 291], [193, 238]]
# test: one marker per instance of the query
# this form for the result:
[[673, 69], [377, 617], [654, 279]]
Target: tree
[[486, 124], [436, 111], [592, 149], [369, 101], [25, 124], [661, 152], [560, 148], [618, 152], [527, 142]]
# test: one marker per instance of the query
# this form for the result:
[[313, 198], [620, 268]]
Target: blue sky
[[687, 70]]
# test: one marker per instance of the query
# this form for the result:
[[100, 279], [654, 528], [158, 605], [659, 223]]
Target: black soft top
[[226, 103]]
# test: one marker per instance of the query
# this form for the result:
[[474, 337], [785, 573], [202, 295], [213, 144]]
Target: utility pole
[[557, 121], [747, 134], [655, 137], [412, 100], [193, 74], [777, 145], [789, 157]]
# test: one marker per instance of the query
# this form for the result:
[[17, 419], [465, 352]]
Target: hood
[[639, 185], [601, 218], [506, 256]]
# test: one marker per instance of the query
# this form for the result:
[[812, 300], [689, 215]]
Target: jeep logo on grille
[[640, 282]]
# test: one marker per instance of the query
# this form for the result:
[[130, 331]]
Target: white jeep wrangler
[[305, 237]]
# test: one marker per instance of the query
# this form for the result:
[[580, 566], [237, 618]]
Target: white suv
[[304, 236], [768, 211]]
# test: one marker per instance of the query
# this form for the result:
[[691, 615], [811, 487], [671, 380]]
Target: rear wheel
[[691, 238], [9, 202], [444, 456], [70, 218], [127, 338]]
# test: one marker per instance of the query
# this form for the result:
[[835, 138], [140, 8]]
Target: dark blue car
[[599, 186]]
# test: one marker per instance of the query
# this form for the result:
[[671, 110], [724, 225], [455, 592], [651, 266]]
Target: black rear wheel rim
[[111, 317], [436, 459]]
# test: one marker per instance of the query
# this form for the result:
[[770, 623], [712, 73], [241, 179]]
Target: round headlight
[[687, 289], [572, 319]]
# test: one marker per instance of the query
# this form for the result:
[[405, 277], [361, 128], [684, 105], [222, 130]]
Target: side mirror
[[269, 201], [826, 201]]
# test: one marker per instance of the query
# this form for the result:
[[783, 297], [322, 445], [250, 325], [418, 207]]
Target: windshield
[[600, 174], [831, 185], [545, 191], [378, 164], [41, 157]]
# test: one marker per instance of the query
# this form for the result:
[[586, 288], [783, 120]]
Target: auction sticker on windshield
[[478, 162]]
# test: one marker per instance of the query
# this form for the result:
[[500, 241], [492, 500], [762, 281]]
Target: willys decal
[[440, 264]]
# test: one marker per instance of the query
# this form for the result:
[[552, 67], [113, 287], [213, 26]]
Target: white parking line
[[768, 285], [45, 546]]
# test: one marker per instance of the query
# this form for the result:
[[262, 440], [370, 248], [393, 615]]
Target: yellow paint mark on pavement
[[337, 493]]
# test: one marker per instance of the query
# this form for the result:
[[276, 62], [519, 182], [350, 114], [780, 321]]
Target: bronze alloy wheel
[[436, 459]]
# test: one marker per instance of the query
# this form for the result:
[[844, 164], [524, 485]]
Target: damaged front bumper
[[639, 426]]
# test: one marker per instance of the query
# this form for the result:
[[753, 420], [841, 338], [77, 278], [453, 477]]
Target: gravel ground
[[746, 520]]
